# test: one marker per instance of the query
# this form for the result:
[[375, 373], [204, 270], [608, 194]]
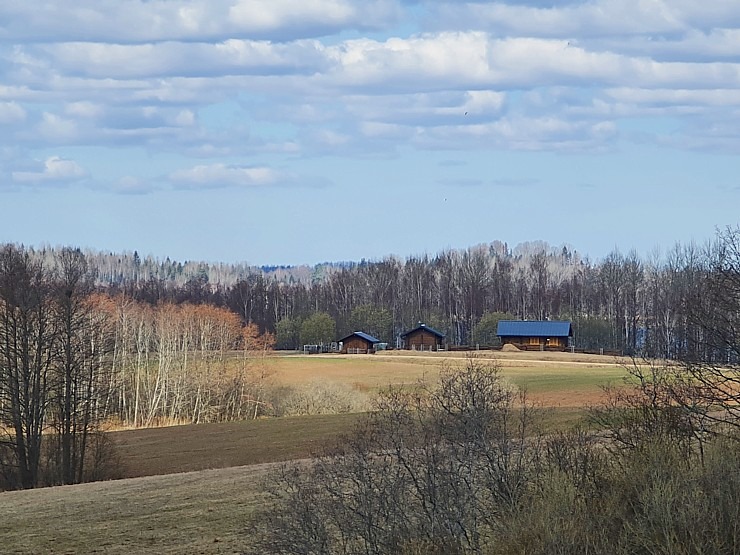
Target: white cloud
[[163, 59], [222, 175], [155, 20], [597, 18], [55, 170], [11, 112], [226, 80], [84, 109], [267, 15], [670, 97], [56, 128], [475, 60], [185, 118]]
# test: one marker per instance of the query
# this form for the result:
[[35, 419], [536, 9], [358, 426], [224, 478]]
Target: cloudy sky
[[293, 131]]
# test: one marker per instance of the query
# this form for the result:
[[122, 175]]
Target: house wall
[[422, 340], [355, 343], [537, 343], [557, 342]]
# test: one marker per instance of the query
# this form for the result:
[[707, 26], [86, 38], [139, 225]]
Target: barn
[[423, 338], [535, 335], [359, 343]]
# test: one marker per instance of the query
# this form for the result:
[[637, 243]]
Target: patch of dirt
[[509, 348]]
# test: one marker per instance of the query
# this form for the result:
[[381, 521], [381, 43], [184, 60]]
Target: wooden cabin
[[359, 343], [423, 338], [535, 335]]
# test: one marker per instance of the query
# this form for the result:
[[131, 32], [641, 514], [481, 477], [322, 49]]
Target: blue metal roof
[[363, 335], [424, 327], [534, 328]]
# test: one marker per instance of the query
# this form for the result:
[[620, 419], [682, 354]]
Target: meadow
[[190, 488]]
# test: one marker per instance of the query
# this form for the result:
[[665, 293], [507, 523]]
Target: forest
[[623, 302], [89, 339]]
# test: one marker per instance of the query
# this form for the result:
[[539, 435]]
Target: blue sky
[[287, 132]]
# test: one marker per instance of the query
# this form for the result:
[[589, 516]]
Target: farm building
[[359, 343], [423, 338], [535, 335]]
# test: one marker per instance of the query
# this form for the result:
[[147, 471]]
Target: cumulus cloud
[[54, 170], [167, 59], [188, 20], [267, 80]]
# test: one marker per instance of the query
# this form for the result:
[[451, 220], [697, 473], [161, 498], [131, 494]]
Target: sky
[[301, 131]]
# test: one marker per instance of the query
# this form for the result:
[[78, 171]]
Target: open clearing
[[550, 378], [202, 512]]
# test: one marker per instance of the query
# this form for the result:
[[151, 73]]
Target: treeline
[[73, 359], [624, 302]]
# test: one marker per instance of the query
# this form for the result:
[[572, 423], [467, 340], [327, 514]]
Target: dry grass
[[203, 512], [552, 379], [202, 446], [194, 513]]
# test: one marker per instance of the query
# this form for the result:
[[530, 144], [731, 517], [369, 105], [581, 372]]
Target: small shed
[[423, 338], [535, 335], [359, 343]]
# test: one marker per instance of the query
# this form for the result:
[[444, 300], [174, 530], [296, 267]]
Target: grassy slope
[[202, 512], [203, 446], [194, 513]]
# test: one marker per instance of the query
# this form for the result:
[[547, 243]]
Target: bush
[[318, 397], [432, 470], [460, 468]]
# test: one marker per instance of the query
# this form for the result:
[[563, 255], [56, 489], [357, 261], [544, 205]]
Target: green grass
[[569, 379]]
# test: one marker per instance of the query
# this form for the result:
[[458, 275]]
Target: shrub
[[318, 397]]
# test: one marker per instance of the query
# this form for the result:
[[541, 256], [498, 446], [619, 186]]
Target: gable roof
[[424, 327], [366, 336], [534, 328]]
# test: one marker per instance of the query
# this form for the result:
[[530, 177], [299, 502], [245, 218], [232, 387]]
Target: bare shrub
[[104, 462], [318, 397], [655, 403], [460, 468], [432, 470]]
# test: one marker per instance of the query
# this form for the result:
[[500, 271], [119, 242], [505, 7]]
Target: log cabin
[[359, 343], [423, 338], [535, 335]]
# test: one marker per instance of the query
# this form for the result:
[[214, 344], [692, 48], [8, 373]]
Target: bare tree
[[27, 338], [713, 313], [78, 364]]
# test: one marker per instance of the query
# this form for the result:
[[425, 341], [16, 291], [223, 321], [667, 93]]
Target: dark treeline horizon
[[624, 302]]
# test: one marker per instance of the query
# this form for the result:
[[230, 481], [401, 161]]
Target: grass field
[[178, 514], [552, 379], [208, 446], [186, 494]]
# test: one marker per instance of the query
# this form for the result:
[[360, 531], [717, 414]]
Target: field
[[191, 487], [552, 379]]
